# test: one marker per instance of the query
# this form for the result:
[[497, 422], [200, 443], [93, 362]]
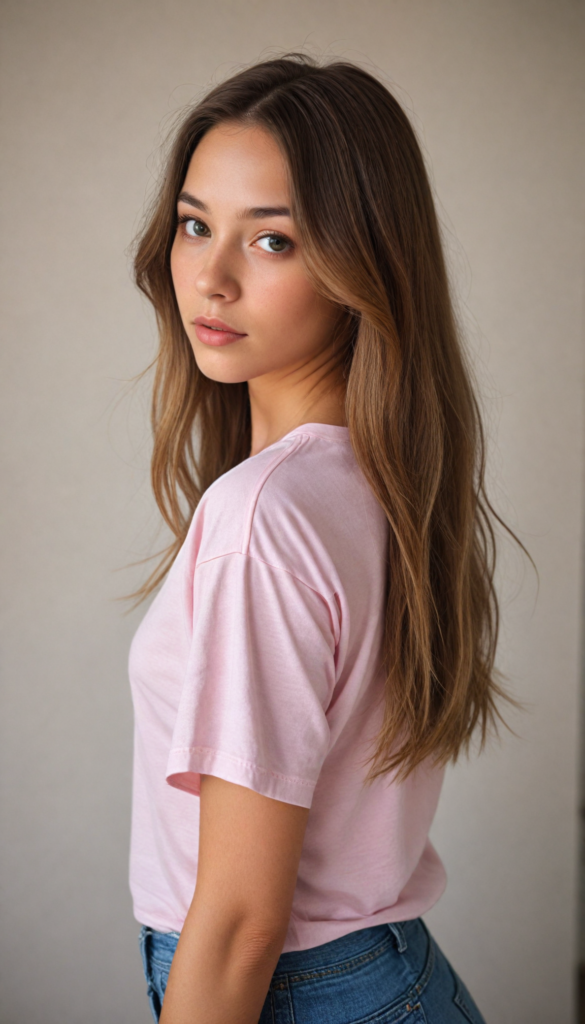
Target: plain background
[[89, 90]]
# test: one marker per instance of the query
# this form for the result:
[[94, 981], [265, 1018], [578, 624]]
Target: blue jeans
[[389, 974]]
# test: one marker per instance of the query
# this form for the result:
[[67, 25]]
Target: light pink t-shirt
[[259, 662]]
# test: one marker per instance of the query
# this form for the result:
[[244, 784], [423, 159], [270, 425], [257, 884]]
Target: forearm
[[220, 973]]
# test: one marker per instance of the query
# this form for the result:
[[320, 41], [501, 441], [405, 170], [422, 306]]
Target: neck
[[276, 410]]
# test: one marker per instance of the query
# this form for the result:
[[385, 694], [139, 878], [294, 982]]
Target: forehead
[[238, 166]]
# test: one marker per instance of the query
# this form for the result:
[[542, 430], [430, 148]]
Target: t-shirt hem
[[305, 934], [147, 920], [186, 765]]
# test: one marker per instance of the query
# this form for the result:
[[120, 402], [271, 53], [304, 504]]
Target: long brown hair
[[363, 206]]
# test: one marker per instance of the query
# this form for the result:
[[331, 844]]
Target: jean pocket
[[464, 1002], [410, 1012], [160, 977]]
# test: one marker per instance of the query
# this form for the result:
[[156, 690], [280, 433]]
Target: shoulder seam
[[271, 565], [327, 599], [260, 484]]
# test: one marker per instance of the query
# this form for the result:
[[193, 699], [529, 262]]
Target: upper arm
[[250, 738], [249, 851], [259, 680]]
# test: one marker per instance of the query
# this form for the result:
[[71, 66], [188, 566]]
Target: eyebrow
[[252, 211]]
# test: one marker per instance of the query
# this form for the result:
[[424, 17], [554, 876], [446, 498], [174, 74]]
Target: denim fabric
[[389, 974]]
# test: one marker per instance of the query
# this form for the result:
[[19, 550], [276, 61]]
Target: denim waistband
[[345, 947]]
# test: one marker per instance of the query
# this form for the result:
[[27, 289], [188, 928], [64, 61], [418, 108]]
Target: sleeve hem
[[187, 764]]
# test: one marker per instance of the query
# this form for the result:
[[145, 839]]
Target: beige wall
[[496, 93]]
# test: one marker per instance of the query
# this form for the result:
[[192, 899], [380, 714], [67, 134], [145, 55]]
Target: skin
[[224, 265]]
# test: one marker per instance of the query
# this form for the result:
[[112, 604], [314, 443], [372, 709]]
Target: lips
[[212, 331], [215, 324]]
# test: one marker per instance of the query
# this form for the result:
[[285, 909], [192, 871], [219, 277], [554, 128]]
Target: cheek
[[291, 301]]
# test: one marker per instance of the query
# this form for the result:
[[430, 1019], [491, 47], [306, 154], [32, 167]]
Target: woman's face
[[242, 289]]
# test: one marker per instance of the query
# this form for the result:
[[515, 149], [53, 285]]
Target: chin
[[212, 369], [231, 367]]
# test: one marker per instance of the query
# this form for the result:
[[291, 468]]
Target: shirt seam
[[309, 784], [271, 565], [328, 600], [313, 433], [280, 458]]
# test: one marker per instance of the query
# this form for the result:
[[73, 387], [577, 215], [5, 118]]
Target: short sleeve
[[260, 676]]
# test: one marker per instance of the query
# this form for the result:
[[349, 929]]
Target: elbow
[[257, 947]]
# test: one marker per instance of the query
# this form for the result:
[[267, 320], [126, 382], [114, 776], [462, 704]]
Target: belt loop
[[398, 932]]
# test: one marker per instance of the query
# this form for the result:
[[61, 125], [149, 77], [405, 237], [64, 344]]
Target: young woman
[[328, 602]]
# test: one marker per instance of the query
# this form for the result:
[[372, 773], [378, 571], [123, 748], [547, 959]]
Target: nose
[[216, 276]]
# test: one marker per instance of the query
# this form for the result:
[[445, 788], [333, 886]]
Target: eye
[[274, 243], [193, 228]]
